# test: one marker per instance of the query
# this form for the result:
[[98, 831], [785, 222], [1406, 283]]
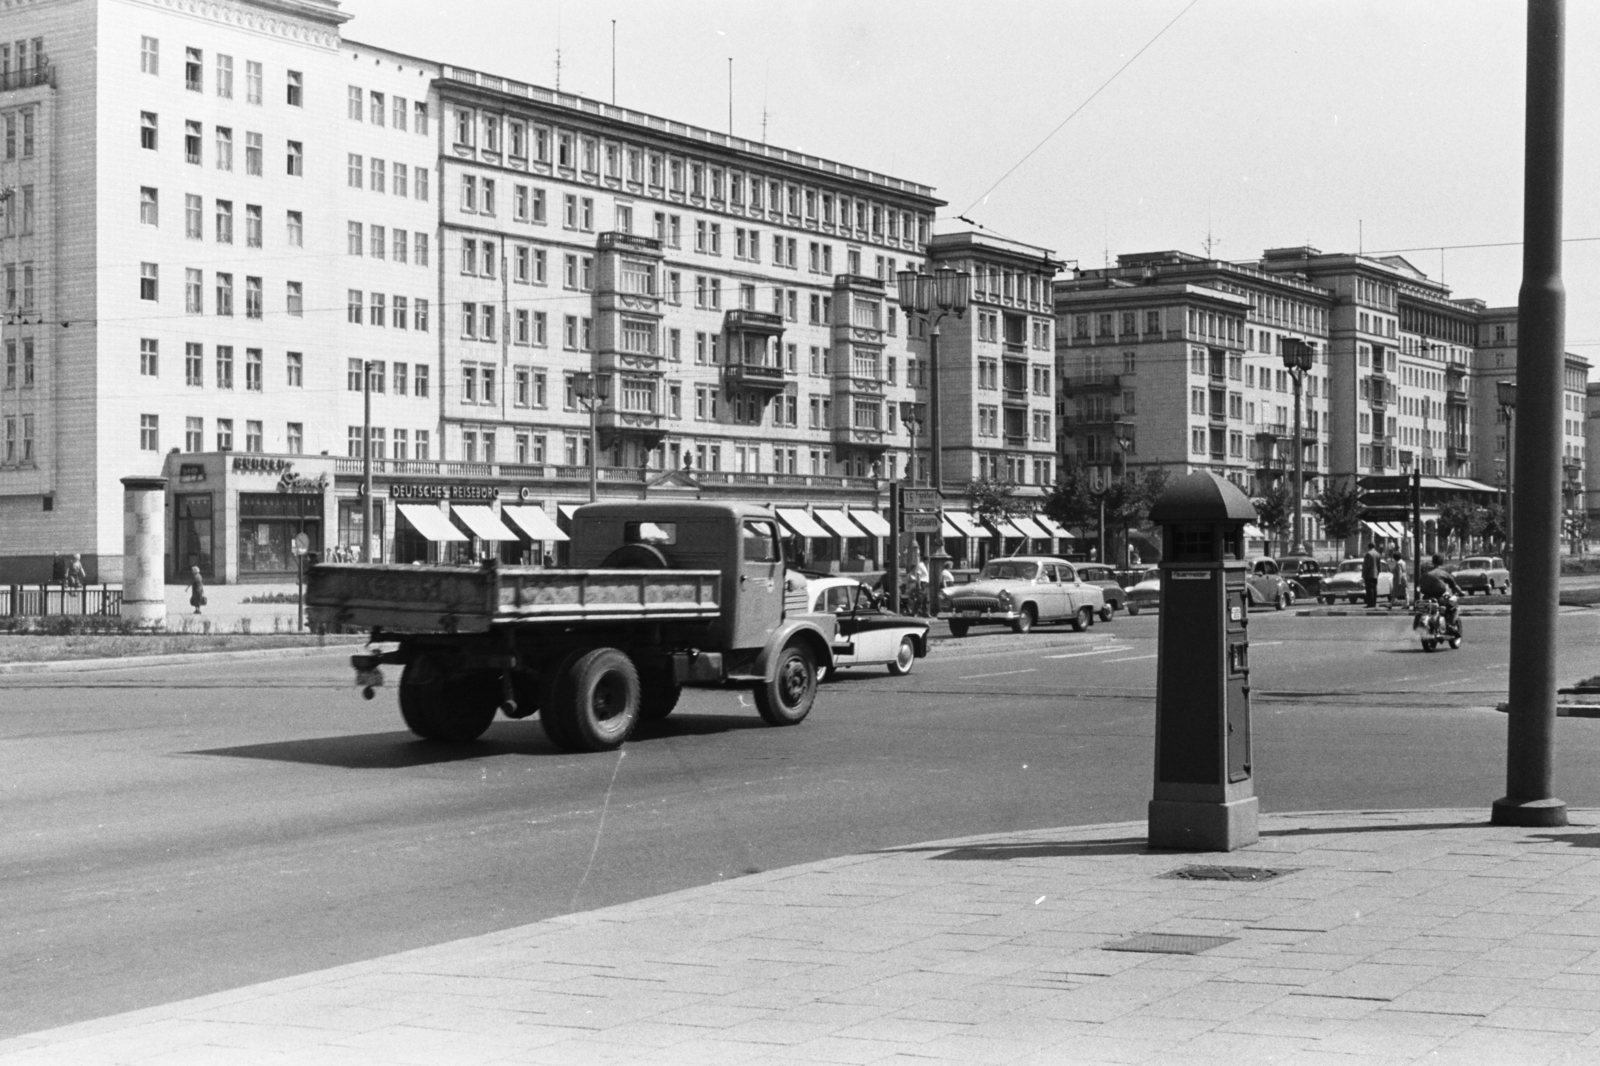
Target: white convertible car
[[869, 633]]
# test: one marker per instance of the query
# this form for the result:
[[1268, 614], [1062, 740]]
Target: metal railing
[[35, 601]]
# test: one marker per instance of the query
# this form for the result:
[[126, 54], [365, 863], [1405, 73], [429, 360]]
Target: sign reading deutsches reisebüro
[[441, 490]]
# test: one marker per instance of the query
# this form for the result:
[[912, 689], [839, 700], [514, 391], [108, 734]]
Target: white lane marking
[[1264, 643], [1002, 673], [1131, 659], [1096, 651]]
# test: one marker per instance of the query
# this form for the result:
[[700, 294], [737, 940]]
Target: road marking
[[1263, 643], [1097, 651], [1131, 659], [1002, 673]]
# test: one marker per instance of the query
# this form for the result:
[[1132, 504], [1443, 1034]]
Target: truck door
[[760, 591]]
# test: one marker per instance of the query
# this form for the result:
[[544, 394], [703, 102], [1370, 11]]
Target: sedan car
[[868, 633], [1304, 572], [1110, 587], [1145, 595], [1022, 591], [1264, 584], [1483, 573], [1345, 583]]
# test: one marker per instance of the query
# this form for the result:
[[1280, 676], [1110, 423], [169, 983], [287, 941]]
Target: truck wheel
[[958, 628], [551, 717], [439, 705], [787, 698], [658, 692], [905, 657], [597, 700]]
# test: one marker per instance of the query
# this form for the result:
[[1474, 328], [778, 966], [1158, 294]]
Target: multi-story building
[[228, 229], [1403, 377]]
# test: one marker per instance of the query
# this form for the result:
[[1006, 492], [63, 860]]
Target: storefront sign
[[188, 473], [260, 464], [438, 490], [292, 482]]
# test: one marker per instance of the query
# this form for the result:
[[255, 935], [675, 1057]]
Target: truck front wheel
[[438, 704], [598, 700], [787, 698]]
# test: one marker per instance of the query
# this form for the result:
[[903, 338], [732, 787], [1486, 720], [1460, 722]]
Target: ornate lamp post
[[1124, 438], [592, 391], [913, 415], [932, 297], [1506, 394], [1297, 358]]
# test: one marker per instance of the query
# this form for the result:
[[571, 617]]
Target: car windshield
[[1152, 574], [1008, 570], [1350, 565], [1478, 563]]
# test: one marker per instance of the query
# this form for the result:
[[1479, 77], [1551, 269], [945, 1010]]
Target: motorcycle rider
[[1439, 584]]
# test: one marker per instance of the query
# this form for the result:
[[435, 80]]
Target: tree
[[1459, 518], [992, 500], [1069, 502], [1128, 499], [1494, 524], [1275, 509], [1338, 507]]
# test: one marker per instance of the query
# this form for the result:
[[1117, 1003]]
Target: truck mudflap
[[814, 636]]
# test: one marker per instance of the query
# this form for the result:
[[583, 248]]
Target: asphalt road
[[172, 831]]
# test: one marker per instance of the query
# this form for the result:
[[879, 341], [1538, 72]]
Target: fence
[[36, 600]]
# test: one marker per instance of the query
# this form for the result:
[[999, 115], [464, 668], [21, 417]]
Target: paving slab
[[1397, 936]]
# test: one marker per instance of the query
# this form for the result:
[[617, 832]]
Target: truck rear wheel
[[596, 700], [787, 698], [658, 692], [551, 719], [438, 704]]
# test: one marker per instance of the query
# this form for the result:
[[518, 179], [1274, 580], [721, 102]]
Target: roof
[[1202, 497]]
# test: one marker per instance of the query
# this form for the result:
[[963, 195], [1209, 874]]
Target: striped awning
[[801, 523], [1055, 528], [483, 522], [836, 521], [534, 522], [1005, 528], [871, 521], [1030, 528], [963, 521], [430, 522]]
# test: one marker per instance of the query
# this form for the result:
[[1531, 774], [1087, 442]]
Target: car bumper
[[981, 616]]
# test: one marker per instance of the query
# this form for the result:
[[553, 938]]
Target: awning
[[534, 522], [1004, 528], [1392, 530], [870, 521], [430, 522], [482, 522], [963, 521], [836, 521], [801, 522], [566, 509], [1055, 528], [1030, 528], [949, 529], [1254, 532]]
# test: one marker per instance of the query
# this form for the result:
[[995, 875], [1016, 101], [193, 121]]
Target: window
[[252, 82], [149, 357], [149, 213], [378, 109], [378, 311], [296, 159], [419, 321], [252, 154], [353, 170], [295, 96], [224, 222], [355, 238], [252, 372], [419, 184], [295, 366], [224, 148], [193, 75], [224, 434], [252, 297], [379, 243], [194, 359], [194, 432], [419, 248], [401, 179], [353, 99], [149, 434], [149, 281], [401, 312], [149, 55], [353, 306], [252, 225], [224, 366], [225, 77], [191, 143], [296, 228], [147, 130]]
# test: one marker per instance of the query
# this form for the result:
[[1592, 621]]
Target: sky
[[1351, 125]]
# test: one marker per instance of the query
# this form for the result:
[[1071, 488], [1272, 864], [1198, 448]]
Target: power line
[[1079, 108]]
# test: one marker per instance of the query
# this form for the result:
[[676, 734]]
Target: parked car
[[1266, 585], [1304, 572], [1021, 592], [1145, 595], [1345, 583], [1110, 587], [1483, 573], [869, 634]]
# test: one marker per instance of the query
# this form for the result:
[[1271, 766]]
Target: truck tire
[[551, 719], [438, 704], [658, 699], [597, 700], [787, 698]]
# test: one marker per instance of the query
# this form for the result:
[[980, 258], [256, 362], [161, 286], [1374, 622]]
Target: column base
[[1531, 814], [1190, 826], [144, 612]]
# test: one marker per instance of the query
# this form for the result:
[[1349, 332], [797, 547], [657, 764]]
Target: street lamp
[[1297, 358], [913, 414], [1124, 438], [1506, 393], [592, 391], [946, 291]]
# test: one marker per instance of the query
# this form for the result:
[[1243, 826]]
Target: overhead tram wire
[[1075, 111]]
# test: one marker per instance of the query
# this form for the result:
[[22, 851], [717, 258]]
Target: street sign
[[919, 522], [302, 544], [920, 499]]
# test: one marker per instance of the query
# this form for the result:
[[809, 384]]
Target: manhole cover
[[1170, 943], [1226, 873]]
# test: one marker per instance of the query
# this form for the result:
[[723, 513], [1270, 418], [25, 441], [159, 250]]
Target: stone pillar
[[144, 550]]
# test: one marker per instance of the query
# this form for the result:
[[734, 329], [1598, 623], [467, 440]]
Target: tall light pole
[[913, 415], [932, 297], [1298, 357], [366, 461], [1506, 393], [592, 391], [1124, 441]]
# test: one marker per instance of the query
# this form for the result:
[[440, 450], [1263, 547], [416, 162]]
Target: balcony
[[1456, 396], [743, 320], [1271, 464], [1272, 429], [1094, 383], [858, 436], [1016, 397], [1456, 365], [40, 73], [1219, 418], [613, 240], [757, 376]]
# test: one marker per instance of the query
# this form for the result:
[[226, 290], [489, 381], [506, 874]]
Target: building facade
[[230, 229]]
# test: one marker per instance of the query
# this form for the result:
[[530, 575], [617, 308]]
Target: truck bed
[[463, 599]]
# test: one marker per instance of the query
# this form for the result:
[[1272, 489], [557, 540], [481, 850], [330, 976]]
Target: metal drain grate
[[1225, 873], [1170, 943]]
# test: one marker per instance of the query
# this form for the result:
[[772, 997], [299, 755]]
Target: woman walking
[[197, 589]]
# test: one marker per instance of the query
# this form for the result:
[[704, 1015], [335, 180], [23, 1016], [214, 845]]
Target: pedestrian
[[549, 561], [76, 576], [1371, 563], [197, 589], [1397, 582]]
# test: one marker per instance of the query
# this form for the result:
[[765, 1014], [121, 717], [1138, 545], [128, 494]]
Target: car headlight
[[1005, 600]]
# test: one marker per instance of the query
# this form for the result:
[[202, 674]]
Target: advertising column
[[144, 550]]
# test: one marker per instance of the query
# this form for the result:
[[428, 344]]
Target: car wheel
[[1282, 601], [1132, 610], [1108, 612], [905, 658], [958, 628], [1325, 599], [1026, 620], [1083, 619]]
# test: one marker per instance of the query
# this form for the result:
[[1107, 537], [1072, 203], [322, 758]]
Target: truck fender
[[806, 632]]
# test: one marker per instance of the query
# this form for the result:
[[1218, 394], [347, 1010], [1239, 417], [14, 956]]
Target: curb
[[178, 659], [1563, 710]]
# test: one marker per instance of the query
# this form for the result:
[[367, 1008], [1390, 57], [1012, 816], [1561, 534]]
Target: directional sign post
[[300, 546], [919, 522]]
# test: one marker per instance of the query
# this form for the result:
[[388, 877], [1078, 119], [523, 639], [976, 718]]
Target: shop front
[[235, 516]]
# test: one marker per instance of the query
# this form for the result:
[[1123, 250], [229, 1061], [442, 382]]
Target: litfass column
[[1204, 797], [144, 550]]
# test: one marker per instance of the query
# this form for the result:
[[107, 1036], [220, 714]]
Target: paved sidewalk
[[226, 610], [1395, 937]]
